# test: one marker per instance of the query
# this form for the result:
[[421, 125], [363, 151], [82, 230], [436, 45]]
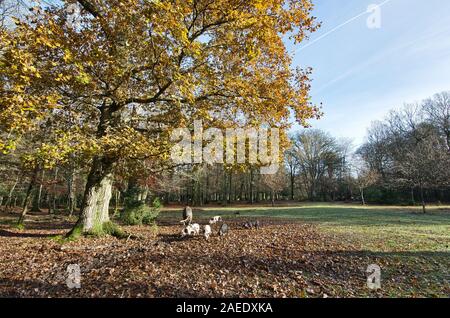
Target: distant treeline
[[404, 160]]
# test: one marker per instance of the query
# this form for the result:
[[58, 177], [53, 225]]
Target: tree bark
[[292, 186], [71, 190], [52, 198], [225, 188], [8, 203], [422, 197], [28, 197], [362, 196], [312, 191], [38, 195], [116, 202], [95, 206], [251, 186], [230, 187], [412, 196]]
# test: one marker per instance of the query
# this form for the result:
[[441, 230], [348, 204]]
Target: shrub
[[138, 213]]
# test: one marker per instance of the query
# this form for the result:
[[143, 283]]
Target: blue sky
[[359, 73]]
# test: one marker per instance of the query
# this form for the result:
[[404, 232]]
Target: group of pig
[[194, 229]]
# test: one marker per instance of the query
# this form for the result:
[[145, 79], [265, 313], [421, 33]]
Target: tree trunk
[[142, 194], [230, 186], [251, 186], [95, 206], [8, 203], [38, 195], [412, 197], [292, 186], [362, 196], [225, 188], [71, 193], [448, 140], [52, 202], [28, 197], [312, 191], [94, 213], [422, 197], [116, 202]]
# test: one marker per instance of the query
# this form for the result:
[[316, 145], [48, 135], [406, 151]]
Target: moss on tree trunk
[[94, 215], [96, 209]]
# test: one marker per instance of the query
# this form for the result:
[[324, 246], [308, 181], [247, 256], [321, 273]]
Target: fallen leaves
[[281, 259]]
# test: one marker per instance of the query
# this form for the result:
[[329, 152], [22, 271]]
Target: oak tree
[[114, 78]]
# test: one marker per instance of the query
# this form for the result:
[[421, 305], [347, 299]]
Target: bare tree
[[375, 152], [365, 177], [425, 166], [292, 167], [317, 153], [437, 110], [275, 182]]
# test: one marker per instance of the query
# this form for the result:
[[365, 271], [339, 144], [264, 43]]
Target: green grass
[[379, 228], [402, 237]]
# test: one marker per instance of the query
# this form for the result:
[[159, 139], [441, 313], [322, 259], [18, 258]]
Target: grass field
[[379, 228]]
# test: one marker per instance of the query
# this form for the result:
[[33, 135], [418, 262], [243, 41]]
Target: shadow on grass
[[14, 288], [48, 225], [4, 233], [170, 238]]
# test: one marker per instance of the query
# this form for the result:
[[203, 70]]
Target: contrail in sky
[[338, 27]]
